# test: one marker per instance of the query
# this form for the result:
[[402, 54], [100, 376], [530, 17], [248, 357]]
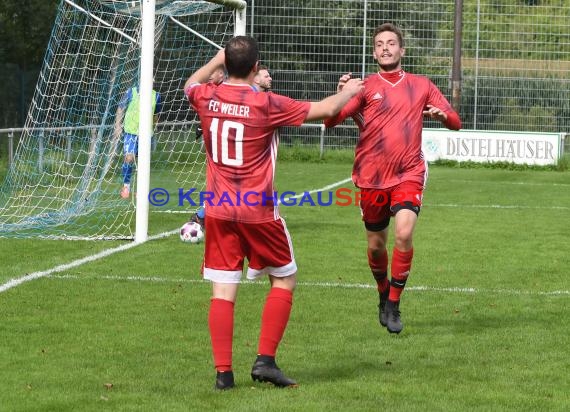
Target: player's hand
[[342, 81], [435, 113], [353, 86], [199, 132]]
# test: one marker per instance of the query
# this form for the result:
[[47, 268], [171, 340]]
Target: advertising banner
[[492, 146]]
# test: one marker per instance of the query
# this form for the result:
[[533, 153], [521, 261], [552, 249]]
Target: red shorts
[[376, 205], [267, 247]]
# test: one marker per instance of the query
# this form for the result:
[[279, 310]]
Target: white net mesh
[[165, 7], [66, 175]]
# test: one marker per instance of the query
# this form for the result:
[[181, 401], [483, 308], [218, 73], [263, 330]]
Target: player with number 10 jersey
[[239, 127], [241, 145]]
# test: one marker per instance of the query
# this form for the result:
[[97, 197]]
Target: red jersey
[[389, 115], [241, 142]]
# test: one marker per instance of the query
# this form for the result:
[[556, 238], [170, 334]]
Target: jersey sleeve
[[284, 111], [453, 122], [437, 99], [351, 109], [190, 92]]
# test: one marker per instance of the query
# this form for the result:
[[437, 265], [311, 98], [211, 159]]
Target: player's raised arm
[[331, 105], [202, 75]]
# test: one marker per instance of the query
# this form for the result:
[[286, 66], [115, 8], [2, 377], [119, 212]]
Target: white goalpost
[[145, 121], [145, 118], [67, 171]]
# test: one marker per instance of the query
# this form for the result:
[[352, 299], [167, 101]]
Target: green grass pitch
[[486, 311]]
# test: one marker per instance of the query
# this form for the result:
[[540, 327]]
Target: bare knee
[[403, 238], [376, 242], [404, 229], [287, 282], [376, 252]]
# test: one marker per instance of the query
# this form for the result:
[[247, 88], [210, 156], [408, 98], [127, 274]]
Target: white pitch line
[[12, 283], [440, 205], [502, 183], [332, 285], [60, 268], [449, 205], [506, 207]]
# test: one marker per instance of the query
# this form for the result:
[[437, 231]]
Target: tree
[[25, 27]]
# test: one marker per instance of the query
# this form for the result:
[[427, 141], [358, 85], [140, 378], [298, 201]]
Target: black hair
[[242, 53]]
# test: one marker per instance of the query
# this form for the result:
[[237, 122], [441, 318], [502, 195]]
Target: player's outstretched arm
[[202, 75], [331, 105]]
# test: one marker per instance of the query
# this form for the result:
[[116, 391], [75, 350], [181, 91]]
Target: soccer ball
[[191, 232]]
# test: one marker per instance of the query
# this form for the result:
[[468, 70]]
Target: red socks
[[221, 324], [274, 320], [401, 265], [379, 267], [273, 323]]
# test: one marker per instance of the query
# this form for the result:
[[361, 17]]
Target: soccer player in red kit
[[389, 166], [243, 221]]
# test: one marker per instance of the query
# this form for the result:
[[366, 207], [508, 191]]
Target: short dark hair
[[392, 28], [242, 53], [262, 67]]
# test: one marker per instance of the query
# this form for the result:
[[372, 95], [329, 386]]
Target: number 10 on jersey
[[223, 141]]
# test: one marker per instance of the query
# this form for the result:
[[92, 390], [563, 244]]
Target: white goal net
[[68, 166]]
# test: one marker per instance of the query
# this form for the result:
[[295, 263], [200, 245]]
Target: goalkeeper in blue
[[128, 116]]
